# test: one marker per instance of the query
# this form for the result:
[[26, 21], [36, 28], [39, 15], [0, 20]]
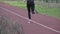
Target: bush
[[9, 27]]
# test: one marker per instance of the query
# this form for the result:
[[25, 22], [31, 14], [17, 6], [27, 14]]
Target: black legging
[[30, 8]]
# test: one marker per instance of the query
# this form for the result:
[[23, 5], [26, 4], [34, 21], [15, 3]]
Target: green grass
[[49, 11], [18, 4], [43, 10]]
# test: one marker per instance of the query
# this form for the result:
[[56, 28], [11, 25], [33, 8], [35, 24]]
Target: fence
[[49, 3]]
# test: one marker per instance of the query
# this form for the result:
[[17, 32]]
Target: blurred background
[[46, 7]]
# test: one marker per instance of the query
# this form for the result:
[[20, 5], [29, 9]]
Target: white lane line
[[31, 20]]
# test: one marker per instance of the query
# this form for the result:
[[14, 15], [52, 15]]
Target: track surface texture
[[41, 24]]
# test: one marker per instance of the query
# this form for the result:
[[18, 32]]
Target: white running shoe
[[29, 21]]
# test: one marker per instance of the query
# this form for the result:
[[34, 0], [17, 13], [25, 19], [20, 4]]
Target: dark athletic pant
[[30, 8]]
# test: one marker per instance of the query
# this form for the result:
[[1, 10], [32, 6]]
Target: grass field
[[42, 10]]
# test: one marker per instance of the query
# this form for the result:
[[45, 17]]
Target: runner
[[30, 8]]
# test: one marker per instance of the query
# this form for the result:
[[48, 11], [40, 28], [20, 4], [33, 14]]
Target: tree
[[56, 1], [52, 1], [46, 0]]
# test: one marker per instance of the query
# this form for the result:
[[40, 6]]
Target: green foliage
[[10, 27]]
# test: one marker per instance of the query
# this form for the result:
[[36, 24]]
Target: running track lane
[[33, 27]]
